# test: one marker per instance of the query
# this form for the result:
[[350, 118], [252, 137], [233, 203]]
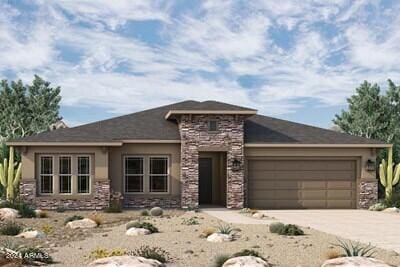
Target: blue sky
[[296, 60]]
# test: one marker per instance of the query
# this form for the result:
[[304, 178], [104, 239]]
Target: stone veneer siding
[[149, 202], [368, 194], [195, 136], [100, 198]]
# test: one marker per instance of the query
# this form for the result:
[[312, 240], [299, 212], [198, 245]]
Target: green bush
[[25, 210], [32, 254], [156, 211], [377, 207], [60, 209], [291, 229], [247, 252], [276, 227], [144, 213], [11, 228], [145, 225], [220, 260], [114, 207], [154, 253], [73, 218]]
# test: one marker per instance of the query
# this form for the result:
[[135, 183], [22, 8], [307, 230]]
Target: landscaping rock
[[125, 261], [246, 261], [258, 215], [219, 238], [156, 211], [32, 234], [7, 214], [81, 224], [391, 210], [354, 262], [137, 231]]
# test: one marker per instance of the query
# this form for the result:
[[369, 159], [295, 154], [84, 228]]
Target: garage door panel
[[286, 184]]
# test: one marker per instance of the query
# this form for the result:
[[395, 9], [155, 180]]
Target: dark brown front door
[[205, 181]]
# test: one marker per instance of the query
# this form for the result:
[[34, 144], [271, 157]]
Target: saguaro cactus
[[387, 176], [10, 173]]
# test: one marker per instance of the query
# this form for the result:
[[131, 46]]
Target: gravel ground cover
[[188, 249]]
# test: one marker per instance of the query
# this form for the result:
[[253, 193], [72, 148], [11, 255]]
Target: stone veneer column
[[368, 193], [195, 135]]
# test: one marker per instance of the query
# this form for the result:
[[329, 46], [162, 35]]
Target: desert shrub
[[332, 254], [145, 225], [291, 229], [154, 253], [276, 227], [47, 229], [226, 229], [25, 210], [34, 254], [11, 228], [190, 221], [247, 211], [156, 211], [355, 249], [144, 212], [207, 232], [10, 244], [73, 218], [99, 253], [42, 214], [377, 207], [60, 209], [247, 252], [220, 260], [114, 207], [96, 218]]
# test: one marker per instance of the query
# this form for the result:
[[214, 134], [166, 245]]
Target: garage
[[301, 183]]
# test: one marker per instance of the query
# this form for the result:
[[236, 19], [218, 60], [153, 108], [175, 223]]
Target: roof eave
[[31, 143], [212, 112], [319, 145]]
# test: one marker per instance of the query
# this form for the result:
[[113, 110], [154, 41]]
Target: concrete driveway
[[378, 228]]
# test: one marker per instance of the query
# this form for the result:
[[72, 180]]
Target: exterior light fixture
[[370, 166], [236, 164]]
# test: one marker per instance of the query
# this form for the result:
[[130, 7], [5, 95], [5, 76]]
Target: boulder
[[137, 231], [258, 215], [32, 234], [7, 214], [354, 262], [246, 261], [219, 238], [125, 261], [84, 223], [391, 210]]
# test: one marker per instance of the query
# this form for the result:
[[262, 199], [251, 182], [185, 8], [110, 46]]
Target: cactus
[[10, 173], [387, 176]]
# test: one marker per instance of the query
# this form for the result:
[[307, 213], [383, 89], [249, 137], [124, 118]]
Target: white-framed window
[[65, 175], [134, 174], [158, 174], [83, 174], [46, 175]]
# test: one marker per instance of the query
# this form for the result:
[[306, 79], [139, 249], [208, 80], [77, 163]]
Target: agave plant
[[227, 229], [356, 249]]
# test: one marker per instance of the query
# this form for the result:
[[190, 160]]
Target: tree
[[27, 109]]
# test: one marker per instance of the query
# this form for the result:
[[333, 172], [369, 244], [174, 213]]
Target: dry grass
[[332, 253], [97, 218], [207, 232]]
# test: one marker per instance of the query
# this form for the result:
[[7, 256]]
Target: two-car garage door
[[301, 183]]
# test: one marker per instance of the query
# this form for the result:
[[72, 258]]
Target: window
[[83, 174], [158, 174], [212, 126], [65, 174], [46, 175], [134, 174]]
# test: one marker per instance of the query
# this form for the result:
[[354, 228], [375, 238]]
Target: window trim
[[90, 175], [143, 174], [49, 175], [167, 174], [59, 175]]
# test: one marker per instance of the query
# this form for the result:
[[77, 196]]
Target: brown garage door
[[294, 184]]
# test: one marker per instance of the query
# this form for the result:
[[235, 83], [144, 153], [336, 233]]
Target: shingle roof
[[152, 125]]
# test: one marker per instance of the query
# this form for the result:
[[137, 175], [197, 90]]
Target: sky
[[296, 60]]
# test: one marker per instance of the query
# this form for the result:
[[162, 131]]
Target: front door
[[205, 181]]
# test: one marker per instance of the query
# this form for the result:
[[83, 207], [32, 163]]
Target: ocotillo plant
[[10, 174], [387, 176]]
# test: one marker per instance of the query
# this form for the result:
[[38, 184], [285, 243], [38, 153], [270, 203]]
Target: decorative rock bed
[[354, 262], [246, 261], [82, 224], [32, 234], [125, 261], [137, 231], [219, 238]]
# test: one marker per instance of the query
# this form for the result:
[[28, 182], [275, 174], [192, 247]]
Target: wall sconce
[[370, 166], [236, 164]]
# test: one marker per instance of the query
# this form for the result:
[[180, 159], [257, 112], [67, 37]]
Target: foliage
[[291, 229], [220, 260], [25, 210], [190, 221], [356, 249], [145, 225], [27, 109], [247, 252], [276, 227], [60, 209], [97, 218], [207, 232], [73, 218], [99, 253], [114, 207], [47, 229], [10, 228], [144, 212], [154, 253], [10, 174], [34, 254], [387, 176], [10, 244], [156, 211], [377, 207], [227, 229]]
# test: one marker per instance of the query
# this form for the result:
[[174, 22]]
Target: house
[[198, 153]]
